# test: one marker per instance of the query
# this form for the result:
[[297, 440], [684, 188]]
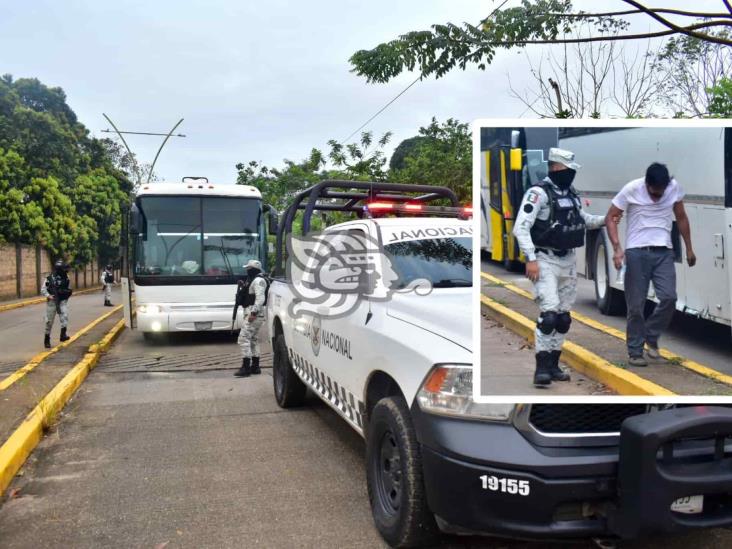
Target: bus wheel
[[394, 477], [288, 388], [610, 301]]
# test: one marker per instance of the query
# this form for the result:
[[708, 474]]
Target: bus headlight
[[448, 390], [152, 309]]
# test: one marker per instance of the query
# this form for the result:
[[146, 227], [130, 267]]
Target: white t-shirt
[[649, 222]]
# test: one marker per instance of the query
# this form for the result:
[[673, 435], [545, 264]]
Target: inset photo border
[[659, 183]]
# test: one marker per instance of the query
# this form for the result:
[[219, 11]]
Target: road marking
[[579, 358], [40, 357], [36, 300], [696, 367], [24, 439]]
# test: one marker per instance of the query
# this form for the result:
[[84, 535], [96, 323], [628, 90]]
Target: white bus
[[189, 243], [700, 158]]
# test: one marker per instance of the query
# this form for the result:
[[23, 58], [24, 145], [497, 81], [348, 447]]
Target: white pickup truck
[[403, 343]]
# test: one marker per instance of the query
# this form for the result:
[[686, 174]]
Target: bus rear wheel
[[609, 300]]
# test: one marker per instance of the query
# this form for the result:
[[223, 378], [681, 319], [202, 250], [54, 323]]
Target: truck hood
[[446, 313]]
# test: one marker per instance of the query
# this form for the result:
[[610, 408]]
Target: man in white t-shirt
[[650, 203]]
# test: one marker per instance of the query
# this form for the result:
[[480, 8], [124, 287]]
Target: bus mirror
[[272, 220], [135, 220], [516, 160]]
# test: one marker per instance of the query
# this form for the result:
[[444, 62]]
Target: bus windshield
[[198, 236]]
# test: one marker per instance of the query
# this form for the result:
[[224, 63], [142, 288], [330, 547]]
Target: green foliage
[[404, 149], [445, 47], [720, 104], [442, 156], [59, 187], [362, 161]]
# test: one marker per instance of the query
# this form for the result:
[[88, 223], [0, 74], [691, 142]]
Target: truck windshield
[[445, 262], [198, 236]]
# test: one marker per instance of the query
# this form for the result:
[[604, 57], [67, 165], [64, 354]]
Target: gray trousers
[[249, 335], [107, 292], [51, 313], [644, 266], [556, 290]]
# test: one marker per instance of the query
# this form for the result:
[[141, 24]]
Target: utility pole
[[125, 267]]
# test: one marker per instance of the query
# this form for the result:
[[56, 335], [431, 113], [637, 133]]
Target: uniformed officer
[[57, 291], [252, 295], [107, 279], [549, 226]]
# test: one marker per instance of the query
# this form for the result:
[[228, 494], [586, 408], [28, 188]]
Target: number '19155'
[[505, 485]]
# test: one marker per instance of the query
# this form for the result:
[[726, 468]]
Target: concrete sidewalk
[[507, 367], [665, 374]]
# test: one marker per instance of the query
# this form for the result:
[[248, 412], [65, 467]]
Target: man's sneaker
[[637, 361], [652, 352]]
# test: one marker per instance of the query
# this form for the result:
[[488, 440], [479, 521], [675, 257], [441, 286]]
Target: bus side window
[[494, 184]]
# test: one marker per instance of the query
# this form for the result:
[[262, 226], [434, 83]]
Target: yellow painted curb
[[24, 439], [706, 371], [579, 358], [36, 300], [40, 357]]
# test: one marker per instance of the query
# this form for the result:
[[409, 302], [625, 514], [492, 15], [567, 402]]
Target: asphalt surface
[[163, 447], [21, 329]]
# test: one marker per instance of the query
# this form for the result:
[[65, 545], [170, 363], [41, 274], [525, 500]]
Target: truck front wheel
[[394, 477], [288, 388]]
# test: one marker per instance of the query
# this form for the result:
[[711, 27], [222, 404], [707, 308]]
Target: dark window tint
[[445, 262]]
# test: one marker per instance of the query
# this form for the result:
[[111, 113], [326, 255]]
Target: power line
[[382, 109]]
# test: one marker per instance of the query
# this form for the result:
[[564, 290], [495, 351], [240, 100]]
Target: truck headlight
[[152, 309], [448, 390]]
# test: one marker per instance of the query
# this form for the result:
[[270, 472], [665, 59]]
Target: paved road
[[162, 447], [700, 340], [507, 366], [21, 330]]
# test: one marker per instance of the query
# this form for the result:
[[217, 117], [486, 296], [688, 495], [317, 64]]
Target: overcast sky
[[262, 80]]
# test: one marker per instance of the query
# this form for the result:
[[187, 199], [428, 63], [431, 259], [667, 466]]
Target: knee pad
[[547, 322], [563, 322]]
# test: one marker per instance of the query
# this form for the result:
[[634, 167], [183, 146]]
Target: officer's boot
[[64, 337], [47, 341], [542, 375], [246, 368], [255, 365], [554, 370]]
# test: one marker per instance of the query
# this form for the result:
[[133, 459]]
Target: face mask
[[252, 273], [563, 178]]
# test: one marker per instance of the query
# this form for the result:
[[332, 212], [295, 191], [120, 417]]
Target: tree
[[59, 186], [591, 79], [406, 148], [448, 46], [360, 161], [687, 69], [720, 101], [443, 156]]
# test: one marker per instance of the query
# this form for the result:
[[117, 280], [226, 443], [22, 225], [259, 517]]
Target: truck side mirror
[[135, 220]]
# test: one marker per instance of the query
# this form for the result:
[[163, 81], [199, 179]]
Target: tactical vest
[[244, 297], [108, 277], [59, 286], [565, 228]]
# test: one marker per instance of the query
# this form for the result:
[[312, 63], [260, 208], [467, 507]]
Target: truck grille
[[582, 418]]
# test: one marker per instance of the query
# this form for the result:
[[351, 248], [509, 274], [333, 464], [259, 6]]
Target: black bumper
[[624, 491]]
